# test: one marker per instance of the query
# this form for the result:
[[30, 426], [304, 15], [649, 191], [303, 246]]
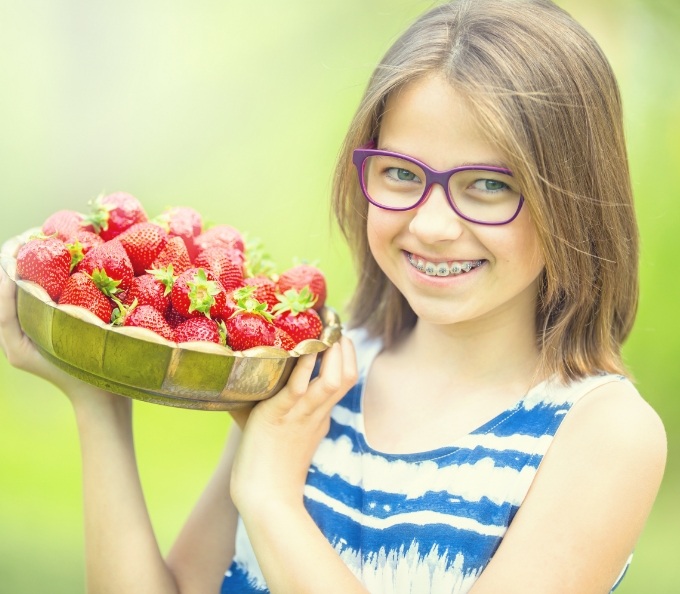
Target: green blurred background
[[238, 109]]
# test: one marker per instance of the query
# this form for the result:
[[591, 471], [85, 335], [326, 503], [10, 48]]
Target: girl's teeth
[[442, 269]]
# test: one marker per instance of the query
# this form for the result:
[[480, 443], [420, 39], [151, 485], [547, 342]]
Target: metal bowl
[[140, 364]]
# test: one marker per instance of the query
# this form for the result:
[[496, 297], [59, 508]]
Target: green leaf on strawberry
[[165, 276], [104, 282]]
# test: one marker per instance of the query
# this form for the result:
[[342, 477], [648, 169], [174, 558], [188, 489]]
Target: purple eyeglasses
[[480, 194]]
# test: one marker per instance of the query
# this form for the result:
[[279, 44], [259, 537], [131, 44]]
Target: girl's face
[[428, 120]]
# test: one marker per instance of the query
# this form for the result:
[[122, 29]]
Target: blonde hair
[[545, 94]]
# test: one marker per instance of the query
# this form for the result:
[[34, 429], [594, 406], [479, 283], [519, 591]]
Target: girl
[[487, 440]]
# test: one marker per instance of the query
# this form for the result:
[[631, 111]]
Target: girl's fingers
[[297, 385], [17, 347], [336, 376], [10, 330], [344, 375]]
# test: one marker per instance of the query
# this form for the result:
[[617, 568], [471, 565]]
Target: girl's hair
[[545, 95]]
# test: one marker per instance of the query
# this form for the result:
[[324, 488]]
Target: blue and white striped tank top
[[423, 523]]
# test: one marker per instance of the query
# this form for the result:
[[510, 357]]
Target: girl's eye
[[490, 185], [402, 174]]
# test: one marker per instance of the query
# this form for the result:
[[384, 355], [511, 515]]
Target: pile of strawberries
[[172, 276]]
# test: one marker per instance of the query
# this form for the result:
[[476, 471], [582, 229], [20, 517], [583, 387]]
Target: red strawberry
[[65, 224], [47, 262], [87, 239], [225, 263], [145, 316], [220, 235], [143, 242], [305, 275], [109, 266], [174, 253], [197, 292], [201, 328], [250, 326], [81, 243], [173, 318], [284, 340], [232, 299], [295, 315], [114, 213], [151, 289], [184, 222], [80, 290], [265, 289]]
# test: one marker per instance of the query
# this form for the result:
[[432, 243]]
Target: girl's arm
[[205, 547], [279, 439], [120, 547], [588, 503], [121, 550]]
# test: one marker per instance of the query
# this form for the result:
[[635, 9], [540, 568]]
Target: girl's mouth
[[443, 268]]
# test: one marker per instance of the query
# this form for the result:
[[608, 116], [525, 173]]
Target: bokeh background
[[238, 109]]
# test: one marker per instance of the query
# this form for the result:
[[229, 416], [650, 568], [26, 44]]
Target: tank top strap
[[556, 393]]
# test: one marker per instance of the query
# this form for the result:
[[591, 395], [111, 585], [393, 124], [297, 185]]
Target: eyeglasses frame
[[432, 176]]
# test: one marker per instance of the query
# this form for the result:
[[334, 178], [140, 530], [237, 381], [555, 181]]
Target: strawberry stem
[[104, 282], [202, 292], [294, 301]]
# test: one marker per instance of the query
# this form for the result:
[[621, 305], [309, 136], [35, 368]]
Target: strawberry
[[80, 290], [283, 340], [232, 298], [174, 253], [201, 328], [47, 262], [250, 326], [114, 213], [65, 224], [143, 242], [151, 289], [265, 289], [305, 275], [225, 263], [173, 318], [87, 239], [184, 222], [220, 235], [109, 266], [144, 316], [81, 243], [197, 292], [295, 314]]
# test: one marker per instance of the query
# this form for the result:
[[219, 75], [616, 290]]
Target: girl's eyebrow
[[493, 163]]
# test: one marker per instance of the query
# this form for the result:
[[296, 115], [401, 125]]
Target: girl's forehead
[[430, 120]]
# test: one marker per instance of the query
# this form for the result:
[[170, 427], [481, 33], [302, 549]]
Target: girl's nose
[[434, 220]]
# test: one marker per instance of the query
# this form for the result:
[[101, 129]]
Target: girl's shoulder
[[610, 453], [618, 423], [615, 401]]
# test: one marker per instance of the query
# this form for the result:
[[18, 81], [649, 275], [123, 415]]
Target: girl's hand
[[22, 354], [282, 433]]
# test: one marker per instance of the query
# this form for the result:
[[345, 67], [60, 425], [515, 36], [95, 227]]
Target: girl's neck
[[475, 353]]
